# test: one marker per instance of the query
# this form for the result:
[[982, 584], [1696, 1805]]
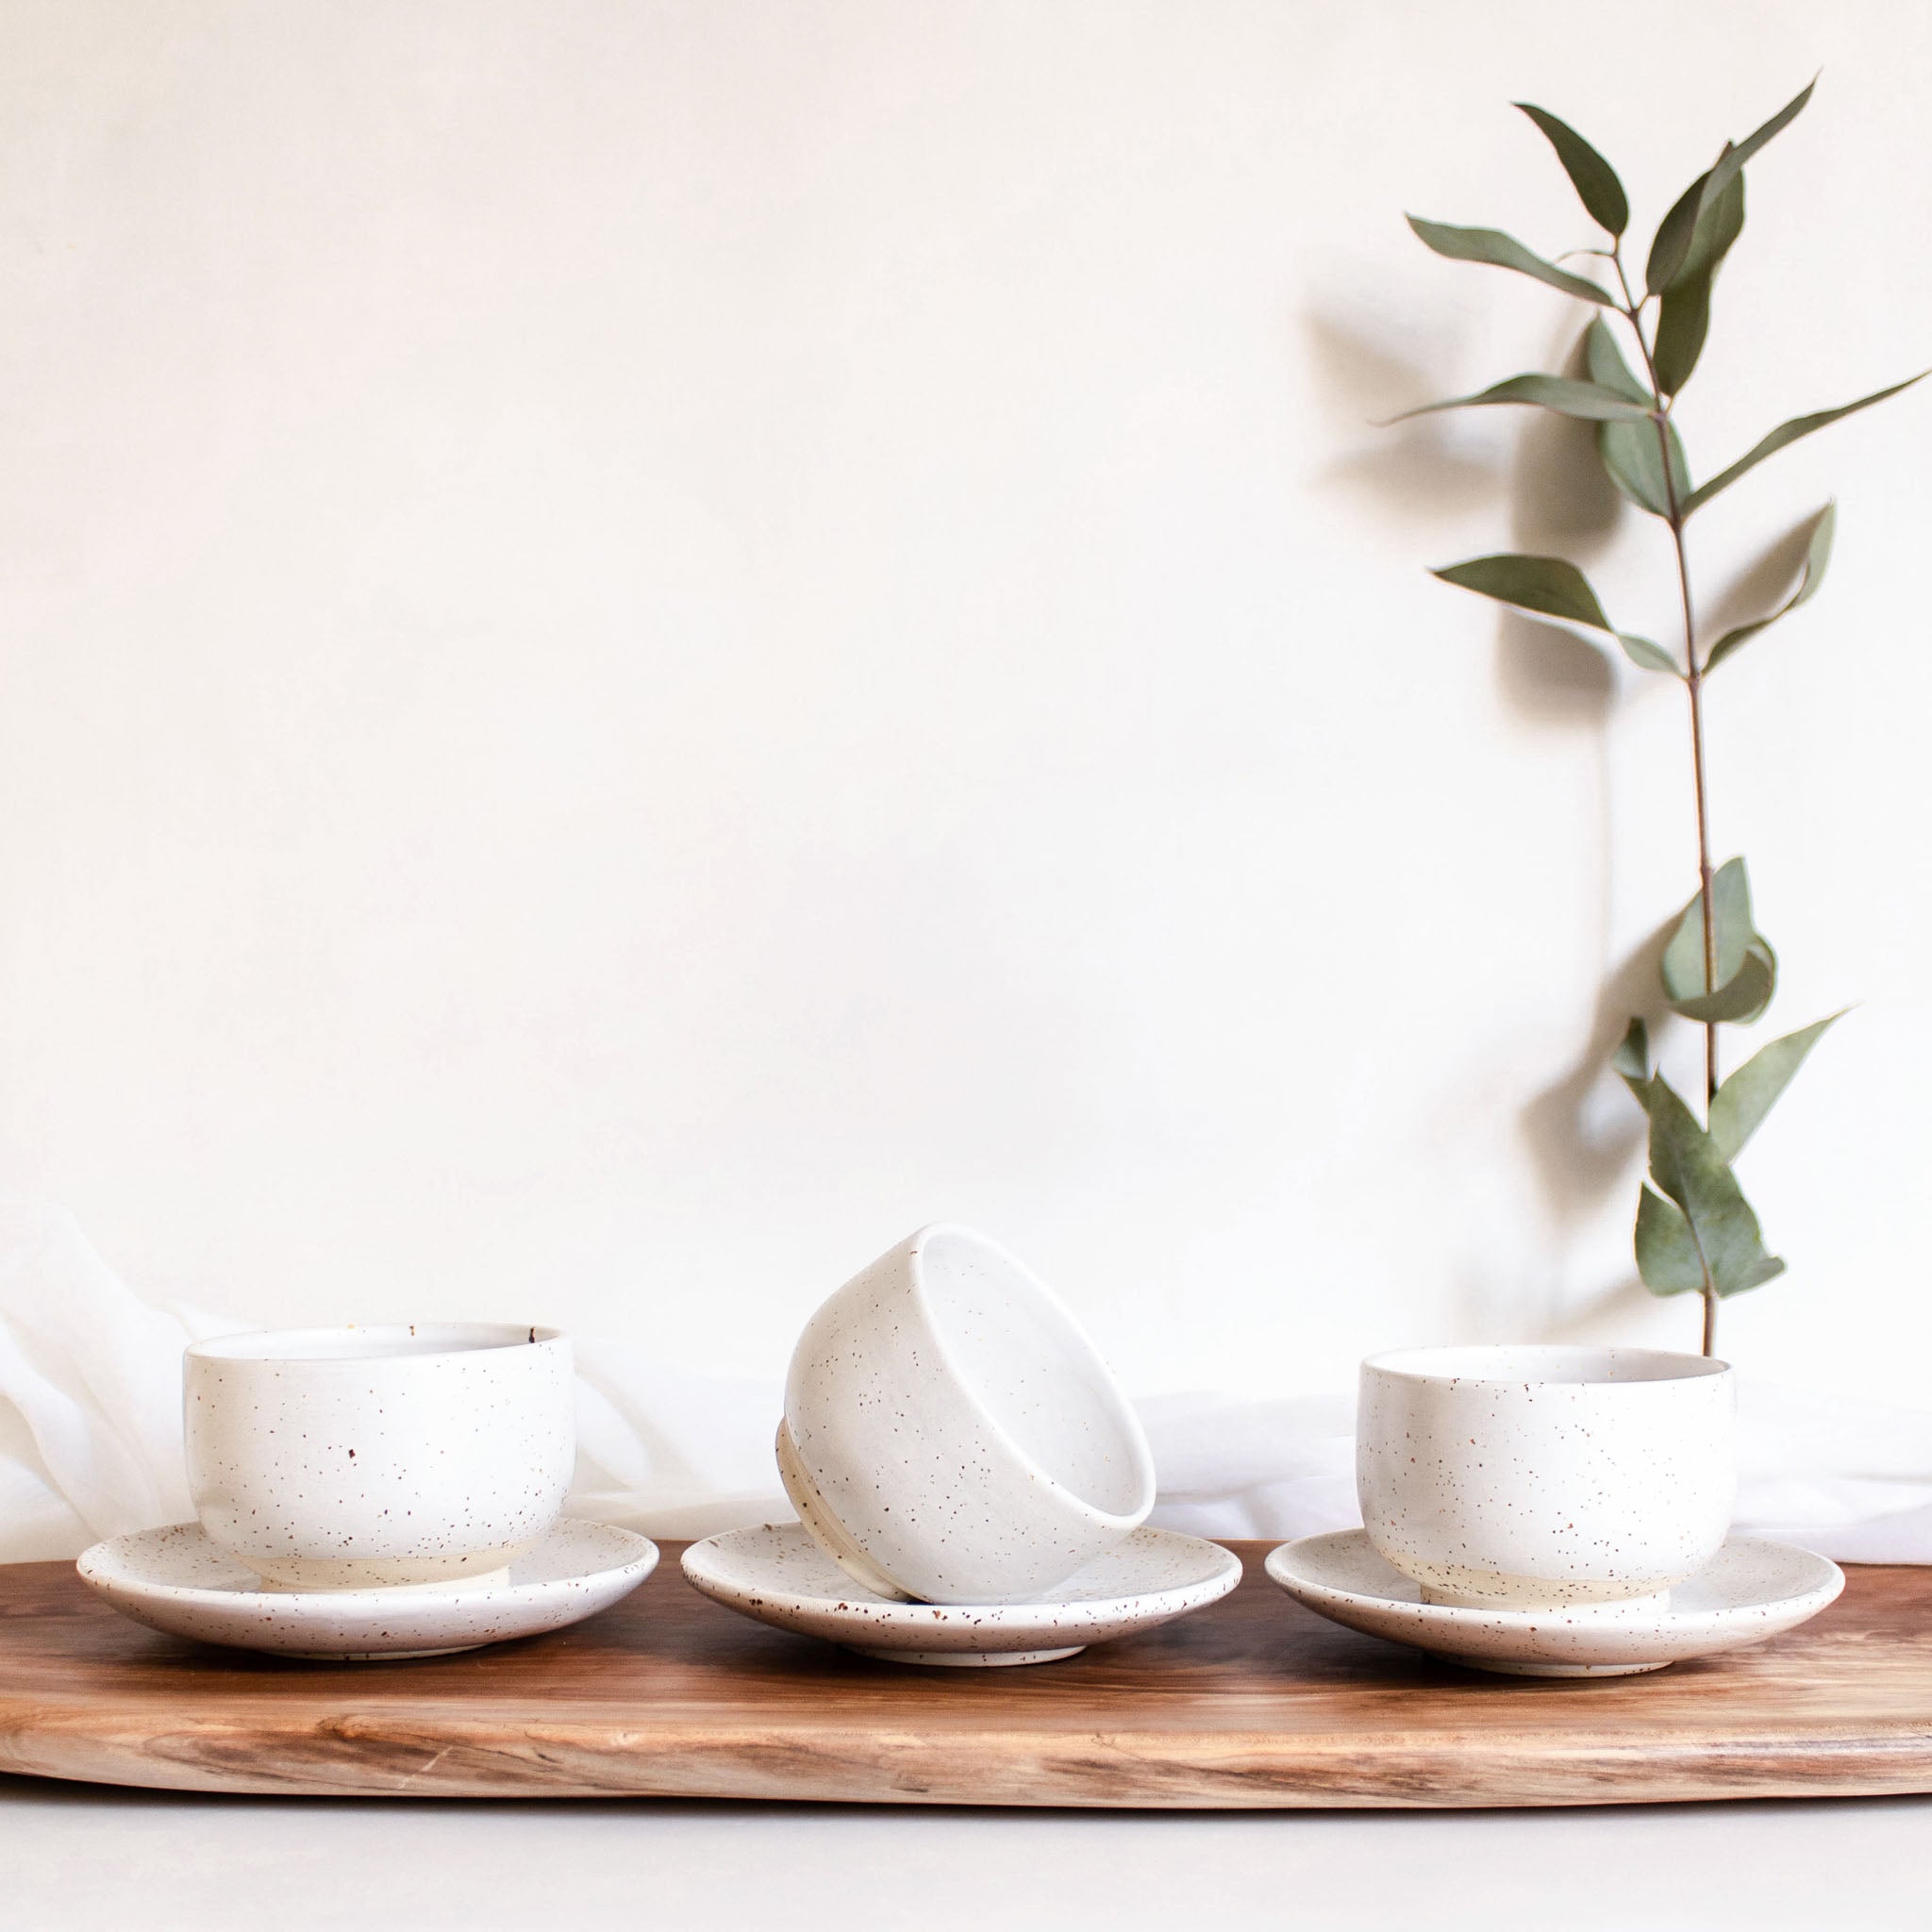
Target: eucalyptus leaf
[[1720, 222], [1593, 178], [1746, 968], [1608, 368], [1647, 656], [1743, 1100], [1632, 1056], [1787, 433], [1743, 997], [1504, 251], [1630, 452], [1683, 969], [1817, 556], [1672, 242], [1633, 461], [1684, 313], [1564, 395], [1683, 321], [1547, 584], [1687, 1167], [1731, 162], [1666, 1255], [1550, 587], [1670, 253]]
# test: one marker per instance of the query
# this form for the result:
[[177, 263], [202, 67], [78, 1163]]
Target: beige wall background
[[645, 644]]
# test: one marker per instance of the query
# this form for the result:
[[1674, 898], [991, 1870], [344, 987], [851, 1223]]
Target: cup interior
[[1025, 1361], [370, 1344], [1545, 1364]]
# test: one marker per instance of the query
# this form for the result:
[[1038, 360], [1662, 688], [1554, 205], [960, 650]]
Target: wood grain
[[1254, 1702]]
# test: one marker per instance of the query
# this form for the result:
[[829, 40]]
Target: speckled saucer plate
[[1752, 1589], [177, 1580], [777, 1574]]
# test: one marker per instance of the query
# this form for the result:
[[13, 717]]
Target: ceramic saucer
[[178, 1581], [1751, 1589], [777, 1574]]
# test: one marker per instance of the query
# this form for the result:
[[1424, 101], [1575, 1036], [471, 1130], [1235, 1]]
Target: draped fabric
[[91, 1434]]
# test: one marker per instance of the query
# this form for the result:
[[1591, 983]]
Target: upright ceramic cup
[[353, 1458], [951, 1435], [1518, 1478]]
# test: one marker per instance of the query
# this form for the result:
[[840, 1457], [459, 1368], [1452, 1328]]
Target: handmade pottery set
[[971, 1488]]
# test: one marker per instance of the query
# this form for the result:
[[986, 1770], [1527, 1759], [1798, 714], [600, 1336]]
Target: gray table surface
[[75, 1856]]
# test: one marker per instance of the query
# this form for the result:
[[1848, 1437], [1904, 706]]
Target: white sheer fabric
[[91, 1435]]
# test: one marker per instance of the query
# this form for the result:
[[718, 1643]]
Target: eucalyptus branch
[[1695, 1232], [1693, 684]]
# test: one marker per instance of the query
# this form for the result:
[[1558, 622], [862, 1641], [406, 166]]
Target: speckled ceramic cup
[[353, 1458], [950, 1434], [1521, 1478]]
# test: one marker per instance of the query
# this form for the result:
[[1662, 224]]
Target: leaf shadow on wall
[[1556, 496], [1563, 504], [1415, 467], [1759, 586], [1557, 502], [1584, 1150]]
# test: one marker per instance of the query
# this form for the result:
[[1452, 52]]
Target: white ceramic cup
[[951, 1435], [357, 1458], [1521, 1478]]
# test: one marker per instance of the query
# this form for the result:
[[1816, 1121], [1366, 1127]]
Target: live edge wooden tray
[[1254, 1702]]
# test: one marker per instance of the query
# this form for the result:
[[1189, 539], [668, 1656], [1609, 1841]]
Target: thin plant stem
[[1693, 683]]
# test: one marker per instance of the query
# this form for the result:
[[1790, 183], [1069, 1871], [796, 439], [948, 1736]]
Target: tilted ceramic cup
[[357, 1458], [951, 1435], [1529, 1478]]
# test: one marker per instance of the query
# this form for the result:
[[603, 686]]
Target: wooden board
[[1254, 1702]]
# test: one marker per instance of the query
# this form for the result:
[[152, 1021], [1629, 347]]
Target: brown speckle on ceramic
[[778, 1575], [347, 1458], [1516, 1477], [952, 1435]]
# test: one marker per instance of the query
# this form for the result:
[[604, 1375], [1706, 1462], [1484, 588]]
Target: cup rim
[[1455, 1364], [323, 1346], [1081, 1343]]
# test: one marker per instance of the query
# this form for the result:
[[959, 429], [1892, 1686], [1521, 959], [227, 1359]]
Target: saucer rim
[[1543, 1623], [88, 1565], [906, 1617]]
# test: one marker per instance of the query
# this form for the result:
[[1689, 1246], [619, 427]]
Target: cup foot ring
[[1503, 1668], [383, 1657], [966, 1660]]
